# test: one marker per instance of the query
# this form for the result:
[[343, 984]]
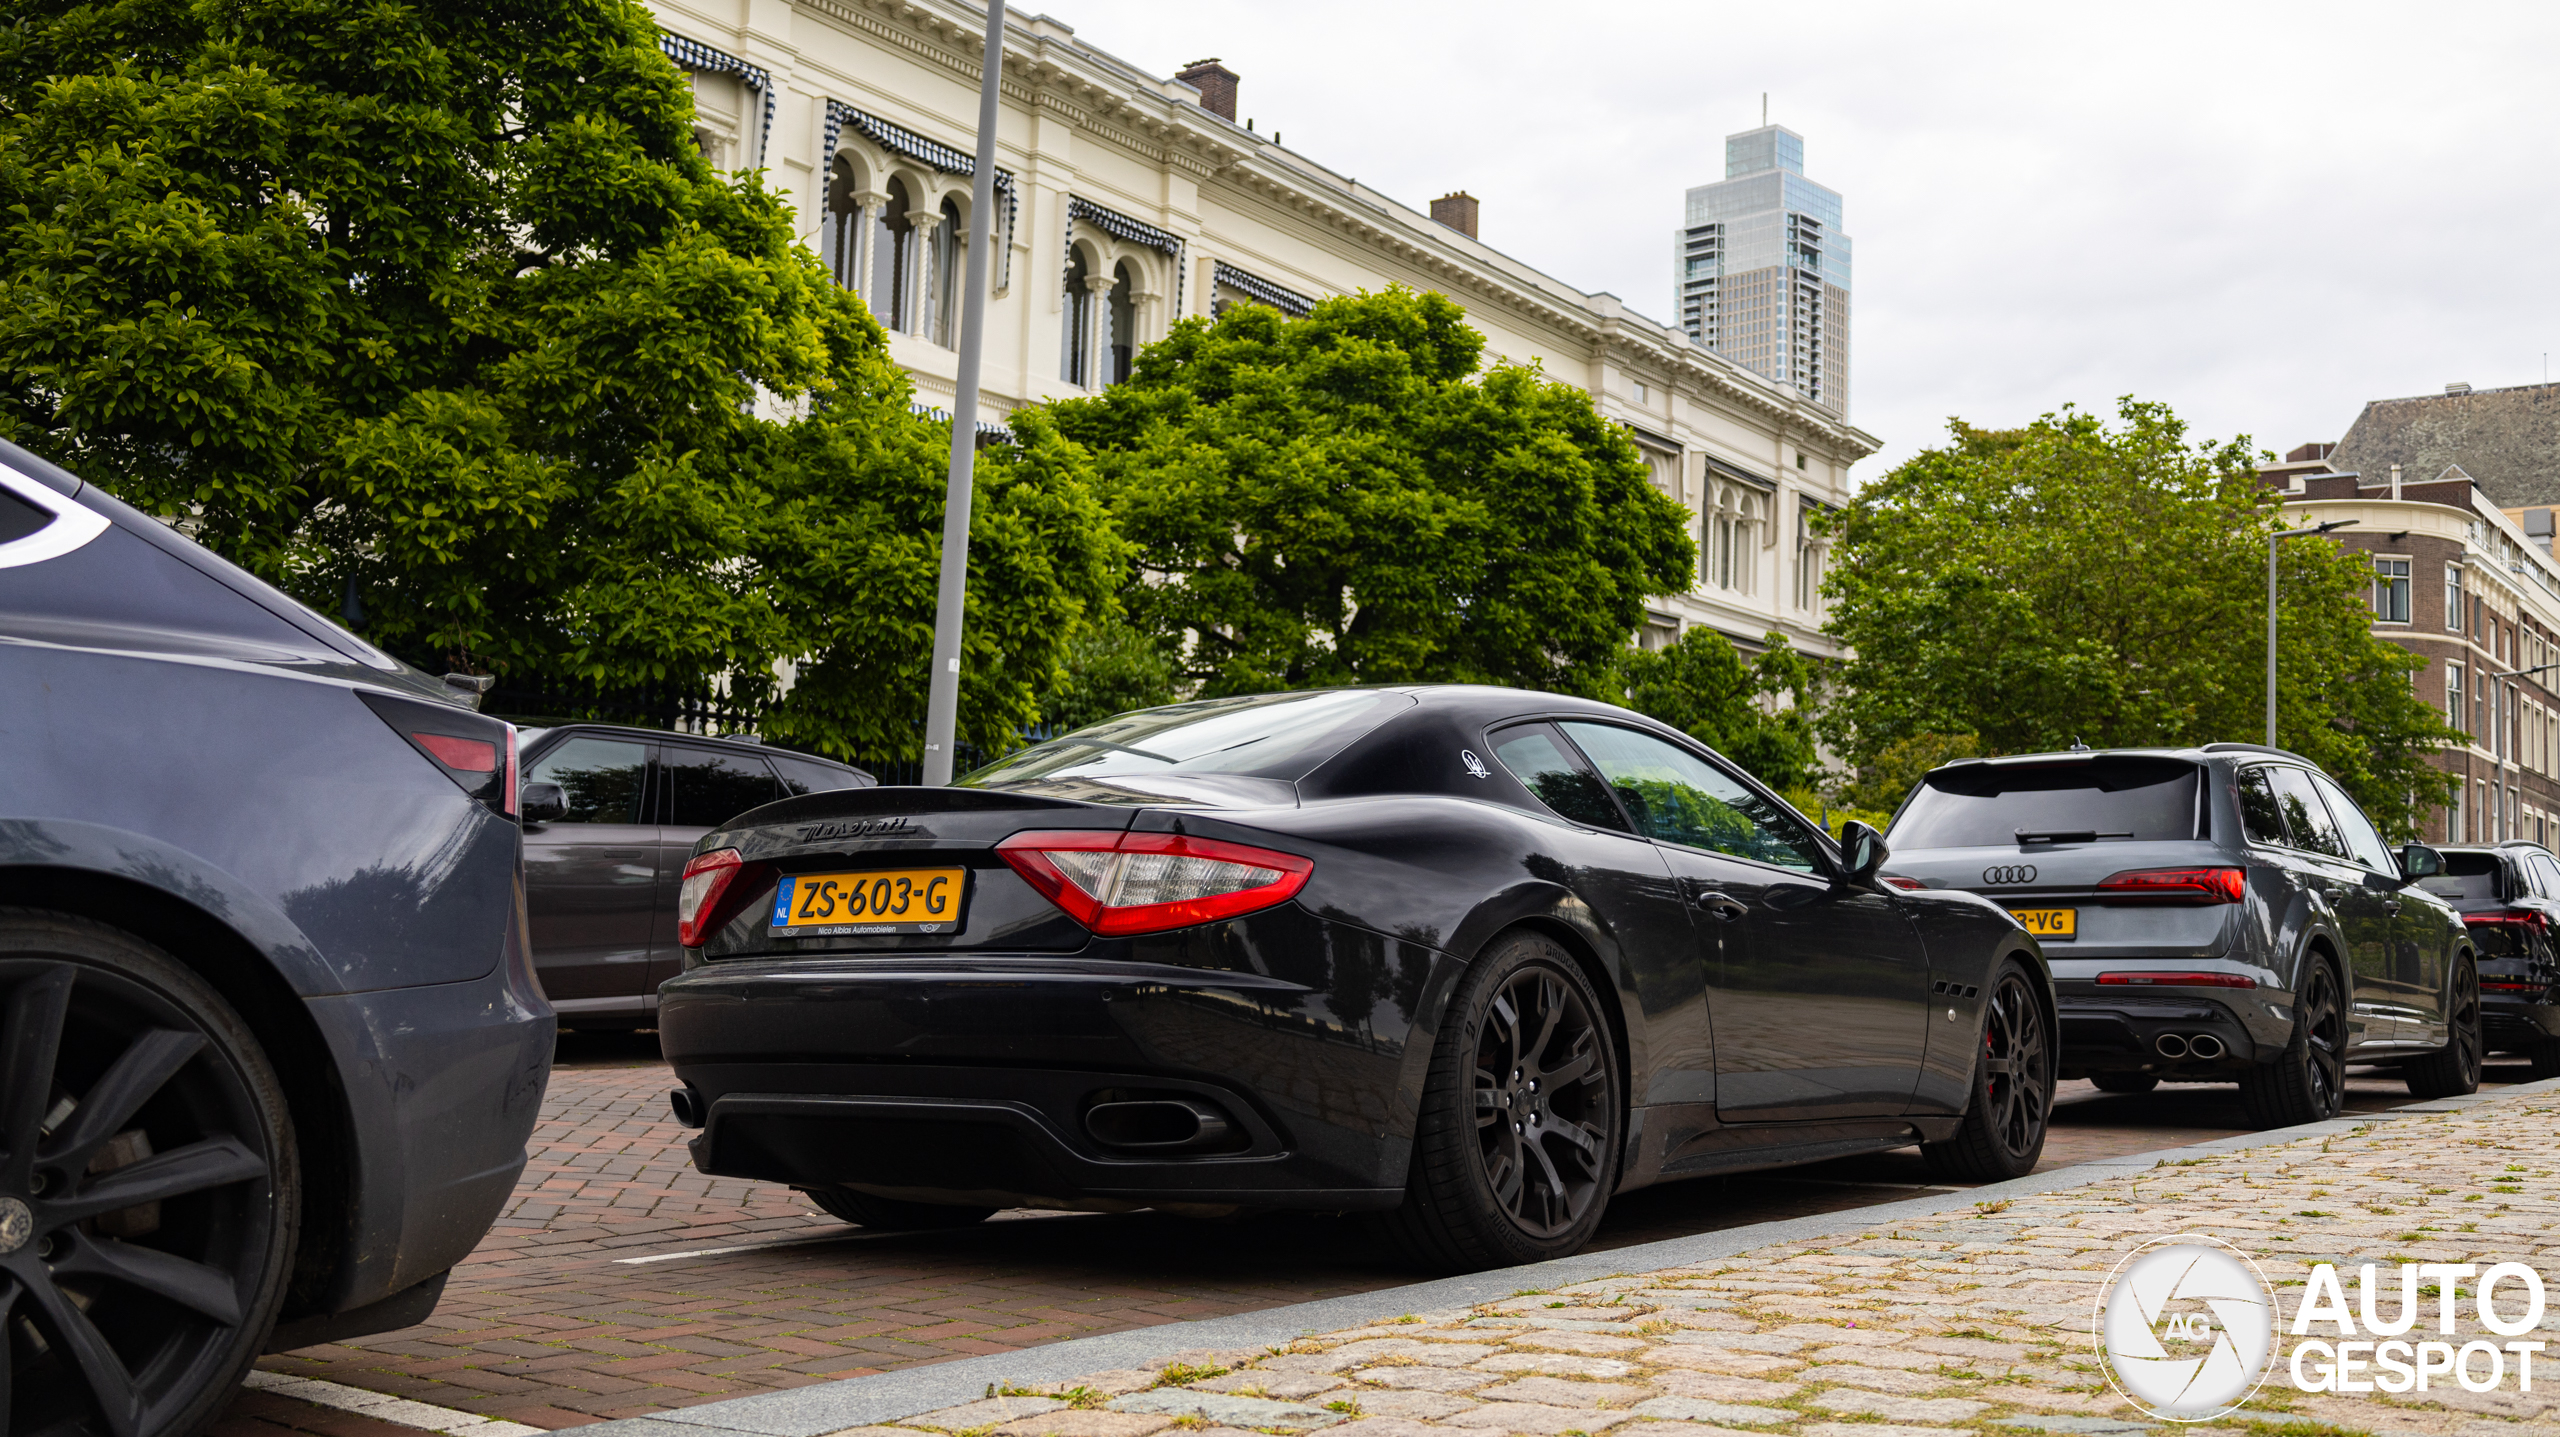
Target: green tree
[[2074, 579], [1756, 711], [436, 314], [1112, 667], [1348, 498], [1887, 777]]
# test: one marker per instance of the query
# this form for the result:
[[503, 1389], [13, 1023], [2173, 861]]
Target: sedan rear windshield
[[2100, 800], [1282, 736]]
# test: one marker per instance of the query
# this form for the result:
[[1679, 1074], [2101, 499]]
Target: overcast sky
[[2263, 215]]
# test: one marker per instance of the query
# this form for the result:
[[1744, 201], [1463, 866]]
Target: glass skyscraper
[[1763, 269]]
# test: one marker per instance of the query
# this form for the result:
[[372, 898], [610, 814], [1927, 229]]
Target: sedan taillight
[[2176, 886], [1118, 884], [707, 880]]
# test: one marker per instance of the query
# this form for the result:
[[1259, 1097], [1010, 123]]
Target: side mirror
[[543, 802], [2419, 861], [1862, 850]]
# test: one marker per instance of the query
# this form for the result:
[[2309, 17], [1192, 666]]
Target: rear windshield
[[1282, 736], [2097, 800], [2467, 878]]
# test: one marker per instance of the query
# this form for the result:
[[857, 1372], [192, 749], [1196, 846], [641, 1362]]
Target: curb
[[829, 1407]]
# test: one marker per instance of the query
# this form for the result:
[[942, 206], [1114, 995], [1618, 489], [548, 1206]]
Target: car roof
[[747, 745], [2191, 753]]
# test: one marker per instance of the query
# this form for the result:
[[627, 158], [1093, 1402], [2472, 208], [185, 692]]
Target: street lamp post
[[2271, 611], [942, 686]]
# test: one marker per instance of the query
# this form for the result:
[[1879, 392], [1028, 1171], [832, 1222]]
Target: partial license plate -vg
[[887, 900]]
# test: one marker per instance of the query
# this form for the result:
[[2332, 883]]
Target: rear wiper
[[2063, 835]]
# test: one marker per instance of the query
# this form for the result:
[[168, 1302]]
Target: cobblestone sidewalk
[[1975, 1323]]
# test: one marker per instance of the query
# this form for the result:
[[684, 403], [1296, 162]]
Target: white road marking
[[383, 1407]]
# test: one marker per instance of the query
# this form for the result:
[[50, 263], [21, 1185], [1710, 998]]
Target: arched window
[[844, 219], [1121, 343], [892, 247], [1075, 332], [946, 277]]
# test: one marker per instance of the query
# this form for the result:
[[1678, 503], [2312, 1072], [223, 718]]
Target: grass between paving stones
[[1859, 1318]]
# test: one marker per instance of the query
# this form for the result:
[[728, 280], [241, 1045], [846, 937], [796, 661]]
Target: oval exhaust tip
[[1157, 1124], [2204, 1045], [2170, 1045]]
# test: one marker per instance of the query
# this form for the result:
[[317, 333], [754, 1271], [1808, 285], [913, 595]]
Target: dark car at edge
[[2509, 897], [2218, 914], [271, 1041], [1468, 960]]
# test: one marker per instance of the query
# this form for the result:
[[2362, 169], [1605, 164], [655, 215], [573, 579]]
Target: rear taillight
[[707, 883], [1118, 884], [2178, 980], [2509, 985], [2176, 886], [2531, 920], [1907, 885], [479, 754]]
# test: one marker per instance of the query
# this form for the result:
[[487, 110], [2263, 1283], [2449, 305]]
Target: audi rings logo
[[2185, 1326], [2014, 873]]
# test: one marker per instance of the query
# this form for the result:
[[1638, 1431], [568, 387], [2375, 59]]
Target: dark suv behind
[[2509, 896], [610, 816], [2216, 913]]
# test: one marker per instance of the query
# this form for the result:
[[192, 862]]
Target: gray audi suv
[[270, 1036], [2212, 914]]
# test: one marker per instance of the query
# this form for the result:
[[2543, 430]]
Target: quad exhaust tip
[[2202, 1045]]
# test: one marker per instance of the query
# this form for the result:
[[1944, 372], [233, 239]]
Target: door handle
[[1724, 906]]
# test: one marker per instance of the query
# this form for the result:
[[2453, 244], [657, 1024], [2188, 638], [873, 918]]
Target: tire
[[2307, 1083], [2454, 1069], [146, 1317], [2124, 1082], [2003, 1131], [1516, 1144], [894, 1214]]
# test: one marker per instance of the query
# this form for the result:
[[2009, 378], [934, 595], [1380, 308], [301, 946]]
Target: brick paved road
[[549, 1324]]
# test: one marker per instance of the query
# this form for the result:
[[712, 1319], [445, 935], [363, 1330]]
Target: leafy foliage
[[435, 314], [1756, 711], [2072, 579], [1886, 779], [1346, 498]]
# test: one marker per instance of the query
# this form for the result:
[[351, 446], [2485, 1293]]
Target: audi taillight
[[2177, 980], [1907, 885], [705, 900], [1119, 884], [2509, 985], [2173, 886], [2531, 920]]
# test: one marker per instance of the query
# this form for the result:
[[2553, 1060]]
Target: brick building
[[2475, 590]]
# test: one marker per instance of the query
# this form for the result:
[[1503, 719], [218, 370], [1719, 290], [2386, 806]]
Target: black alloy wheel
[[2307, 1083], [2453, 1069], [2003, 1131], [1516, 1147], [148, 1187]]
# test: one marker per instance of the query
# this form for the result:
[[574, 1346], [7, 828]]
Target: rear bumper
[[972, 1078], [2515, 1024], [2113, 1034]]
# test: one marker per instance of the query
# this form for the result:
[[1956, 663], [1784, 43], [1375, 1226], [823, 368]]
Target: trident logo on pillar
[[2185, 1325]]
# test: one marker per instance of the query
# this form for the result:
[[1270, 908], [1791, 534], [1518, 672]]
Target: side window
[[1555, 775], [2364, 842], [2305, 814], [1677, 797], [601, 777], [801, 776], [2546, 875], [2259, 812], [706, 789]]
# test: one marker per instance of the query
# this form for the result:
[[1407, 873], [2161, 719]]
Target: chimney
[[1216, 83], [1457, 210], [2458, 387], [2306, 453]]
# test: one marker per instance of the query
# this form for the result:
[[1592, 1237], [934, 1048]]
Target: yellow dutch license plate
[[880, 900], [2048, 922]]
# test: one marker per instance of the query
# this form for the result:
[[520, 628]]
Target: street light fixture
[[2271, 611]]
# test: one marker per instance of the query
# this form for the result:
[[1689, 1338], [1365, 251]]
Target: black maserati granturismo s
[[1468, 959]]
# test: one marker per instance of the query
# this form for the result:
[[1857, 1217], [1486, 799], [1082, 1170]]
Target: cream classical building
[[1126, 201]]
